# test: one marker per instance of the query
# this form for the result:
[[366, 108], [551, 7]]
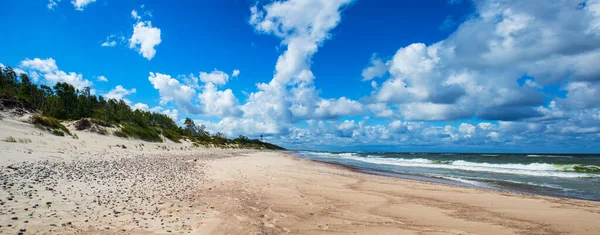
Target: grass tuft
[[144, 133], [120, 133], [58, 132], [10, 139], [49, 123]]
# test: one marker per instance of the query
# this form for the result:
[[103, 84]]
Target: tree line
[[65, 102]]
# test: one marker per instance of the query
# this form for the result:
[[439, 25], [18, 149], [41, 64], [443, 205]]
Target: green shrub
[[102, 131], [120, 133], [172, 135], [58, 132], [10, 139], [49, 122], [144, 133], [24, 141]]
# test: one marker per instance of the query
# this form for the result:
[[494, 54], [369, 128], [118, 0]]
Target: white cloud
[[140, 106], [474, 72], [236, 72], [378, 68], [216, 77], [171, 90], [135, 15], [118, 93], [113, 40], [218, 103], [332, 108], [102, 78], [144, 39], [48, 69], [172, 113], [80, 4], [303, 26], [109, 43], [52, 4]]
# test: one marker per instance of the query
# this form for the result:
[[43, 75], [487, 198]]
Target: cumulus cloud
[[475, 71], [218, 103], [80, 4], [46, 68], [235, 73], [172, 113], [333, 108], [378, 68], [118, 93], [140, 106], [102, 78], [210, 101], [171, 90], [215, 77], [144, 39], [290, 96]]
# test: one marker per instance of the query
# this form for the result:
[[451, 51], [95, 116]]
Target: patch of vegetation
[[142, 133], [24, 140], [99, 130], [49, 123], [172, 135], [10, 139], [120, 133], [58, 132]]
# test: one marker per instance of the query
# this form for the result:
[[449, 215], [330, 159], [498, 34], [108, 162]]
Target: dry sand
[[90, 186]]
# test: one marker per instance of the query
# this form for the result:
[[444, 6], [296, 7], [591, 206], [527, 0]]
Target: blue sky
[[494, 76]]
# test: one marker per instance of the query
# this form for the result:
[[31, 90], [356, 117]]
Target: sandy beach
[[94, 185]]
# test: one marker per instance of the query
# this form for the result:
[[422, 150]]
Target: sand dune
[[94, 185]]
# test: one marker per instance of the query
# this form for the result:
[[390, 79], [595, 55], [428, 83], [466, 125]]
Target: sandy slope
[[90, 185]]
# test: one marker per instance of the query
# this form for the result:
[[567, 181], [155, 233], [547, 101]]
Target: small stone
[[15, 218]]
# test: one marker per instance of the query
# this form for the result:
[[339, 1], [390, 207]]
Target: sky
[[340, 75]]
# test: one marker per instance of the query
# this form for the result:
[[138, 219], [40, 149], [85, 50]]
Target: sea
[[559, 175]]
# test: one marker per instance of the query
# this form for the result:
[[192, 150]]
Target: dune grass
[[143, 133], [49, 123]]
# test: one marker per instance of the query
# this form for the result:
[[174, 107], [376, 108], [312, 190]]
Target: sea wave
[[549, 156], [532, 169]]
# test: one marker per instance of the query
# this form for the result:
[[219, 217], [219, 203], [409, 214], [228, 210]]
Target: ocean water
[[573, 176]]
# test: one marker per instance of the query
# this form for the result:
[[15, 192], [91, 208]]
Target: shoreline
[[439, 180], [519, 184]]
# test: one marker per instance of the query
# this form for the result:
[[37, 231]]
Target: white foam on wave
[[532, 169], [550, 156], [466, 181]]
